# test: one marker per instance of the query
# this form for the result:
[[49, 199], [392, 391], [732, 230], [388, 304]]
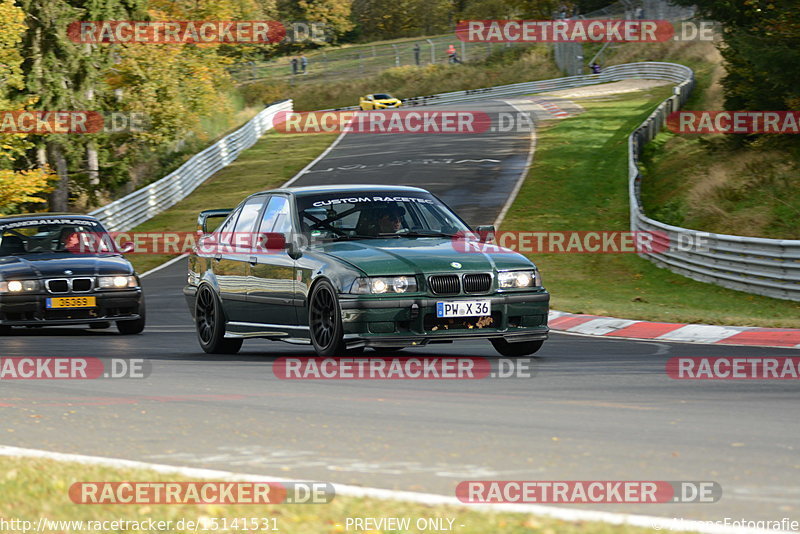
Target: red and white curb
[[595, 325]]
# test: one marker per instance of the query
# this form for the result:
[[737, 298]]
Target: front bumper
[[407, 321], [31, 309]]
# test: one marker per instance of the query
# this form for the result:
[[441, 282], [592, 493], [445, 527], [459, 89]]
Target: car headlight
[[384, 284], [518, 279], [19, 286], [116, 282]]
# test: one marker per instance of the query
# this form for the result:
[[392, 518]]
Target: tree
[[25, 186], [761, 48]]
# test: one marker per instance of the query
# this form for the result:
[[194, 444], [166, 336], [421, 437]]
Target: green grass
[[273, 160], [579, 182], [35, 488]]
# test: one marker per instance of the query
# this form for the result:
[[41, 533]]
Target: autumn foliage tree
[[19, 187]]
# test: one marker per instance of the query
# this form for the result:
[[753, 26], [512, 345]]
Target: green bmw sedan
[[342, 268]]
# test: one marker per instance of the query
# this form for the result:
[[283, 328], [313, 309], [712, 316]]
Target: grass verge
[[578, 181], [273, 160], [36, 488]]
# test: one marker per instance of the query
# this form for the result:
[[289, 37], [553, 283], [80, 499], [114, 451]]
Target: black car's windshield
[[374, 214], [32, 236]]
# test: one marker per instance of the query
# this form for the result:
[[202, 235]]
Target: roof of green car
[[349, 188]]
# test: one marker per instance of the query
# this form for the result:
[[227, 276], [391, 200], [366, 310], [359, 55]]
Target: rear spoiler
[[204, 216]]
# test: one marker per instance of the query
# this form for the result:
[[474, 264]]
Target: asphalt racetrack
[[596, 409]]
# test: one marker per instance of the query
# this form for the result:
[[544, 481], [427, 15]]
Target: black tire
[[100, 326], [210, 324], [5, 330], [513, 350], [136, 326], [325, 320]]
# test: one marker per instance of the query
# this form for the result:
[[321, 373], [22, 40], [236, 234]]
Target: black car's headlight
[[384, 284], [116, 282], [518, 279], [19, 286]]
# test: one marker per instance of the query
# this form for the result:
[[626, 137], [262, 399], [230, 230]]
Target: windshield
[[383, 96], [48, 235], [369, 214]]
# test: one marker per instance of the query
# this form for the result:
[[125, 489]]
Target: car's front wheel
[[325, 320], [133, 327], [210, 324], [522, 348]]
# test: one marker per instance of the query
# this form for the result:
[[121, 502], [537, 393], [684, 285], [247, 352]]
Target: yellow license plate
[[72, 302]]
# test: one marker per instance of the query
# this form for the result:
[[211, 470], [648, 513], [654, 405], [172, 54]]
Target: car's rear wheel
[[5, 330], [133, 327], [523, 348], [325, 320], [210, 324]]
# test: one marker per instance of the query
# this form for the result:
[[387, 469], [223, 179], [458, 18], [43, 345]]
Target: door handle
[[253, 260], [218, 257]]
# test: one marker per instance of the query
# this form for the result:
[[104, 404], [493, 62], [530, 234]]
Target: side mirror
[[127, 247], [204, 216], [486, 233]]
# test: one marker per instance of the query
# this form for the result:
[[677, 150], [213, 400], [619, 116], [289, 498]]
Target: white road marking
[[523, 175], [565, 514]]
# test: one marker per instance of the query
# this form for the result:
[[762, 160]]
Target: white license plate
[[464, 308]]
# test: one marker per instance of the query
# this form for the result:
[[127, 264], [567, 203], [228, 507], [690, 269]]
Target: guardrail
[[769, 267], [143, 204]]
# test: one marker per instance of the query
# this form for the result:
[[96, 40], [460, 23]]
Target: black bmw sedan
[[63, 269]]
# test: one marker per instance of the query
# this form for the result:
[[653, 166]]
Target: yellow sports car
[[379, 101]]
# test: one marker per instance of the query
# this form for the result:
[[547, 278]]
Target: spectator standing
[[595, 68], [294, 65], [416, 54], [303, 63]]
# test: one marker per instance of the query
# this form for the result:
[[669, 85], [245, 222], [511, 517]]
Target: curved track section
[[597, 409]]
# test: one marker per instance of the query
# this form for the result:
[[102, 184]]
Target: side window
[[277, 217], [245, 225], [225, 230]]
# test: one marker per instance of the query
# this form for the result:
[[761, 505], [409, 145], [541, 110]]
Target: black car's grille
[[81, 285], [75, 285], [477, 283], [445, 284], [58, 286]]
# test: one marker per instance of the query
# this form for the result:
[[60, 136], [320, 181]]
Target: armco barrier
[[769, 267], [141, 205]]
